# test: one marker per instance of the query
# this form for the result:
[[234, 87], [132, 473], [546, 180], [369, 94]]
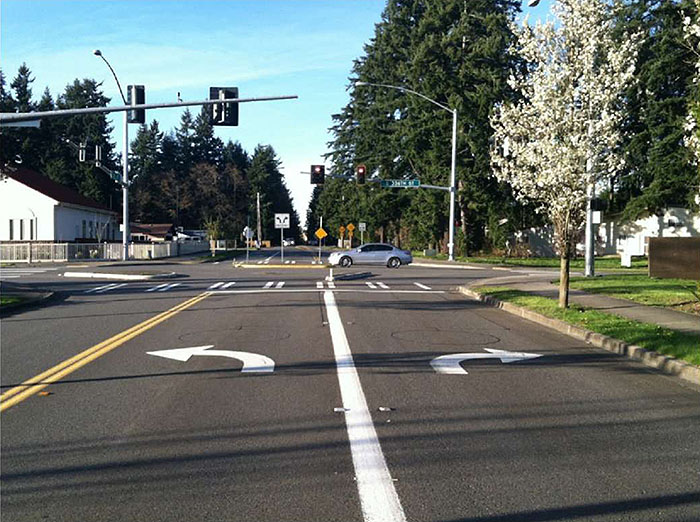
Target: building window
[[12, 230], [31, 230], [84, 230], [21, 229]]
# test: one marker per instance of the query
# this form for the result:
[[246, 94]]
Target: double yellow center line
[[37, 383]]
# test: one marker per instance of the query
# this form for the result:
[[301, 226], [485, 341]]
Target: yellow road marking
[[37, 383]]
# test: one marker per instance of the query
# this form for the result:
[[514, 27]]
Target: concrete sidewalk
[[542, 286]]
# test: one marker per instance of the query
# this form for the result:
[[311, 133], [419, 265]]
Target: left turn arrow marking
[[252, 362]]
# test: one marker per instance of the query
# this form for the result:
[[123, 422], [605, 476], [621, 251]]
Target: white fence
[[35, 252]]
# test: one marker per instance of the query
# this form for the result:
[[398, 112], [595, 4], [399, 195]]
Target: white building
[[626, 239], [35, 208]]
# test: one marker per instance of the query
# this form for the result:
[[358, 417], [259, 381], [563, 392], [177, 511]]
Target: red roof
[[50, 188]]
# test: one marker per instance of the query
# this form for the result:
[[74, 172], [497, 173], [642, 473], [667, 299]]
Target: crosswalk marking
[[382, 285], [169, 287], [216, 285], [98, 288], [319, 284], [280, 284], [269, 284], [113, 286], [371, 285], [424, 287], [153, 289], [224, 287]]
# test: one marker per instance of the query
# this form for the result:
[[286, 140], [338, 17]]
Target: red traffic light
[[360, 174], [318, 174]]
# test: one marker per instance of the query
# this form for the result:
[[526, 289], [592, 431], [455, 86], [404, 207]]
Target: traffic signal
[[224, 114], [136, 95], [360, 174], [318, 174]]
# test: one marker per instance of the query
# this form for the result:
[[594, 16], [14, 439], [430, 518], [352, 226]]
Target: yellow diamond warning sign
[[320, 233]]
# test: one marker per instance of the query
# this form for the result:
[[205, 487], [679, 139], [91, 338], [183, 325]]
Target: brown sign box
[[674, 257]]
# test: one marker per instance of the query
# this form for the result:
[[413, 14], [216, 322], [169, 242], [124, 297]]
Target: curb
[[664, 363], [352, 277], [31, 302], [455, 266], [120, 277], [262, 265]]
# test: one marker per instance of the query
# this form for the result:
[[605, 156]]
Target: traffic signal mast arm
[[8, 117]]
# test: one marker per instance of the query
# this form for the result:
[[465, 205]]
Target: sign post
[[282, 222], [248, 234], [351, 229]]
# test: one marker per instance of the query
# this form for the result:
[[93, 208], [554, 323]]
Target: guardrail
[[37, 252]]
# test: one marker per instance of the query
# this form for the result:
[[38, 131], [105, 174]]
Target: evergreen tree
[[658, 172], [455, 53]]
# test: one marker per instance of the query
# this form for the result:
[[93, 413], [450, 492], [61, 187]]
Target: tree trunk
[[565, 261]]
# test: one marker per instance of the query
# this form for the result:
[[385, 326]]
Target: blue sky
[[264, 47]]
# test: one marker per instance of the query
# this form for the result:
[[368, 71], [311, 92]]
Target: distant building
[[615, 237], [153, 232], [35, 208]]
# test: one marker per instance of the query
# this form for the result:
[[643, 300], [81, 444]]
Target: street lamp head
[[533, 3], [97, 52], [360, 83]]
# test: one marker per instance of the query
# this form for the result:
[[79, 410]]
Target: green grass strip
[[640, 289], [8, 300], [684, 346], [604, 263]]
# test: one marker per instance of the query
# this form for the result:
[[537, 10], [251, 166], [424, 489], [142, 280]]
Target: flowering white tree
[[691, 33], [560, 138]]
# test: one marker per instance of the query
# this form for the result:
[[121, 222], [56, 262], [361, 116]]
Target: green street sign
[[400, 183]]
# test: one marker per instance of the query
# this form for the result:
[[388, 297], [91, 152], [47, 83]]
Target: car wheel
[[394, 262], [345, 261]]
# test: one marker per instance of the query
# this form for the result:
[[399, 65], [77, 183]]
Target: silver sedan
[[372, 254]]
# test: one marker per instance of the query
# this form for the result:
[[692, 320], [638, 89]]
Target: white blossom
[[569, 111]]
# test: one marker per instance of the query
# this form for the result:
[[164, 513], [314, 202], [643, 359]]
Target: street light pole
[[125, 165], [453, 166]]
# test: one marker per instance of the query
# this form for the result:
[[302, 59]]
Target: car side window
[[369, 248], [384, 248]]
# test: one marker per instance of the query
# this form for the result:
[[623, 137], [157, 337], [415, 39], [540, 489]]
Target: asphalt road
[[352, 423]]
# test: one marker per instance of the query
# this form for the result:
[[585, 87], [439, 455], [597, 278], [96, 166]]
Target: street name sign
[[281, 220], [400, 183]]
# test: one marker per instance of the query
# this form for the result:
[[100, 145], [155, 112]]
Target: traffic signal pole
[[125, 190]]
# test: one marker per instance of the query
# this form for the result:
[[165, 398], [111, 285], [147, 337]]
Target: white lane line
[[260, 262], [216, 285], [280, 284], [9, 277], [331, 284], [424, 287], [153, 289], [169, 287], [294, 262], [319, 284], [378, 497], [228, 285], [98, 288], [111, 287], [268, 284], [371, 285], [287, 262], [382, 285], [339, 290]]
